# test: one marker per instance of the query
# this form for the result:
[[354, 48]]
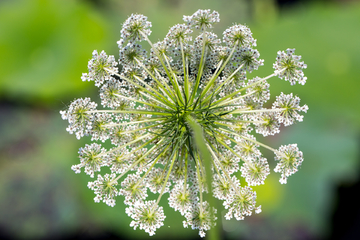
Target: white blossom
[[105, 189], [134, 26], [156, 105], [255, 171], [101, 66], [92, 158], [239, 35], [147, 216], [202, 19], [290, 158], [79, 116], [241, 203], [290, 67], [289, 109]]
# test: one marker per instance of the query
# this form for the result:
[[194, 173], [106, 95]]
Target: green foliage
[[44, 45], [326, 37]]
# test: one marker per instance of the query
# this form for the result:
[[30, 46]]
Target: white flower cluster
[[132, 26], [200, 217], [202, 19], [290, 67], [104, 188], [146, 216], [97, 68], [290, 158], [154, 102], [80, 120], [290, 109]]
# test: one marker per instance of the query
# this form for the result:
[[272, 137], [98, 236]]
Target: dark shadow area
[[345, 223]]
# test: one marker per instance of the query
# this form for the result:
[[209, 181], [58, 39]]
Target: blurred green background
[[45, 46]]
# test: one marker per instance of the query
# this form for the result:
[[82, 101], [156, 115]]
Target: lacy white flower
[[290, 159], [98, 66], [180, 119], [147, 216], [290, 67], [105, 189]]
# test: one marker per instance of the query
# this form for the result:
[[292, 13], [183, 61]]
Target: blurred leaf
[[44, 46], [326, 36]]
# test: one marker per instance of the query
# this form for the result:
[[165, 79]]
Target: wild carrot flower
[[180, 115]]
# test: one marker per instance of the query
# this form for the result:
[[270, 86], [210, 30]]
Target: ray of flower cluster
[[153, 99]]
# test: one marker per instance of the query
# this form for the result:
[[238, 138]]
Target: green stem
[[131, 111], [229, 79], [155, 100], [152, 165], [135, 100], [207, 159], [258, 110], [216, 74], [155, 79], [167, 177], [201, 66], [139, 129], [156, 53], [156, 94], [159, 57], [135, 122], [244, 88], [186, 80], [232, 100], [139, 160], [162, 79], [175, 82], [129, 143]]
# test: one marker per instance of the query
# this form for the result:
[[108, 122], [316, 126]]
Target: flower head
[[202, 19], [180, 33], [180, 119], [105, 189], [239, 35], [201, 217], [266, 123], [290, 158], [289, 109], [79, 116], [130, 54], [135, 27], [99, 67], [147, 216], [92, 157], [241, 203], [255, 171], [248, 58], [182, 197], [290, 67]]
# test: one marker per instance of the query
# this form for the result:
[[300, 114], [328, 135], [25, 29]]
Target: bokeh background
[[45, 46]]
